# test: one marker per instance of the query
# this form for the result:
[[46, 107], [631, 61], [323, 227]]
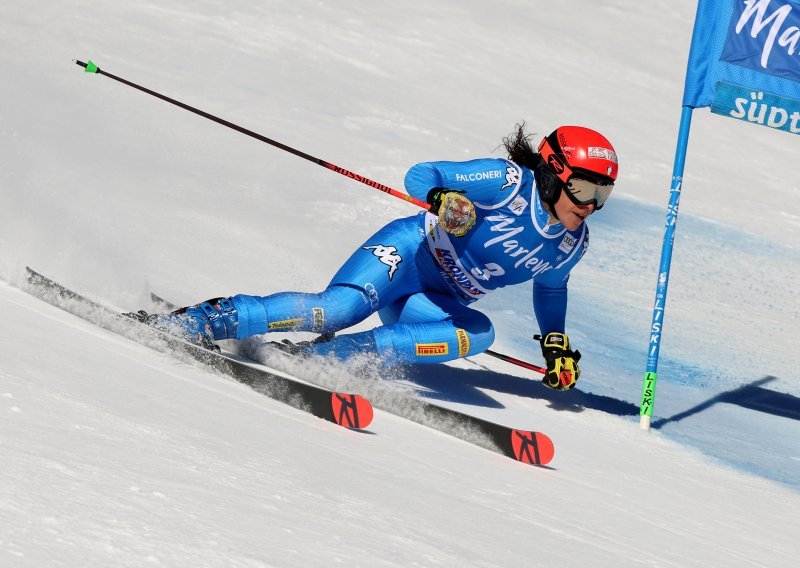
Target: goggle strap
[[554, 161]]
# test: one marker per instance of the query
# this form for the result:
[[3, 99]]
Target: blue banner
[[745, 61], [763, 36]]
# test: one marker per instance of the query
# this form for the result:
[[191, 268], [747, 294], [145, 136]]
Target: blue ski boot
[[203, 323]]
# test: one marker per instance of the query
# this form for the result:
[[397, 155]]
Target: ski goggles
[[581, 191]]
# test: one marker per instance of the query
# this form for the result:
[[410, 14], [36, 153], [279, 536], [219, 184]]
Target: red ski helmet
[[572, 154]]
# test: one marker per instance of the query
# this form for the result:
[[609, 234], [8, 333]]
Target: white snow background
[[114, 455]]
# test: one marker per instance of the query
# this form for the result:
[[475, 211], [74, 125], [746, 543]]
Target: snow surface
[[115, 455]]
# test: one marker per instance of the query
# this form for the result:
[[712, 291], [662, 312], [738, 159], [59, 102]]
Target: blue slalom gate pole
[[649, 387]]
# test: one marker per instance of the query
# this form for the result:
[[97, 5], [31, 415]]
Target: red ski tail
[[351, 410], [532, 447]]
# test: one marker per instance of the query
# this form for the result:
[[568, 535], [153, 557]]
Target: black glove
[[456, 212], [562, 363]]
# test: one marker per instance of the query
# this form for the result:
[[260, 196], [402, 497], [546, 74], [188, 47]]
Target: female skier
[[493, 222]]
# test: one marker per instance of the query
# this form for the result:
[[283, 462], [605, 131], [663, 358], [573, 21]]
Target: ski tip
[[351, 410], [33, 277], [534, 448]]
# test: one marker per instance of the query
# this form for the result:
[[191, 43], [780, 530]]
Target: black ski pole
[[90, 67]]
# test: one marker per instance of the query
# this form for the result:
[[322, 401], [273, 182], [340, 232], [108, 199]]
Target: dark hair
[[519, 147]]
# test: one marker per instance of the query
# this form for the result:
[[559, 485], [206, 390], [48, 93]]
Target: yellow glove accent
[[562, 363], [562, 373]]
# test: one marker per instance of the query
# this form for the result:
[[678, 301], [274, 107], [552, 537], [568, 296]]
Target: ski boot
[[202, 324]]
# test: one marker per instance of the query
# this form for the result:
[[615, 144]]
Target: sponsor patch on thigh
[[463, 342], [432, 349], [286, 324], [319, 320]]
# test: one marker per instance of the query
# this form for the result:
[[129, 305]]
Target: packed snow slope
[[116, 455]]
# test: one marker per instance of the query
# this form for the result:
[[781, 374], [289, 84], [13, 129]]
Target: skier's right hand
[[456, 212], [562, 363]]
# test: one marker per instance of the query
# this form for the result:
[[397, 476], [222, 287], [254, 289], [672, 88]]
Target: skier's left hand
[[562, 363], [456, 212]]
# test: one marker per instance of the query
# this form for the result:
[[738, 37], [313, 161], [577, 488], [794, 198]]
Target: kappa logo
[[512, 177], [388, 256]]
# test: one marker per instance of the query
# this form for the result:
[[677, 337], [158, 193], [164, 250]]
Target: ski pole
[[517, 362], [90, 67]]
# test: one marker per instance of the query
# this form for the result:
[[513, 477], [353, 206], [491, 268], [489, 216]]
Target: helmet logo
[[567, 151], [555, 164], [562, 139], [603, 153]]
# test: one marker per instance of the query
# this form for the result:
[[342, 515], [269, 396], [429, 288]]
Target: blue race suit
[[421, 280]]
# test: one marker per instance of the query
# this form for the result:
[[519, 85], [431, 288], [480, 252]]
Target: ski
[[345, 409], [525, 446], [528, 447]]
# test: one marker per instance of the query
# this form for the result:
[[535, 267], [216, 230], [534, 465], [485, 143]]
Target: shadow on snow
[[751, 396], [464, 386]]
